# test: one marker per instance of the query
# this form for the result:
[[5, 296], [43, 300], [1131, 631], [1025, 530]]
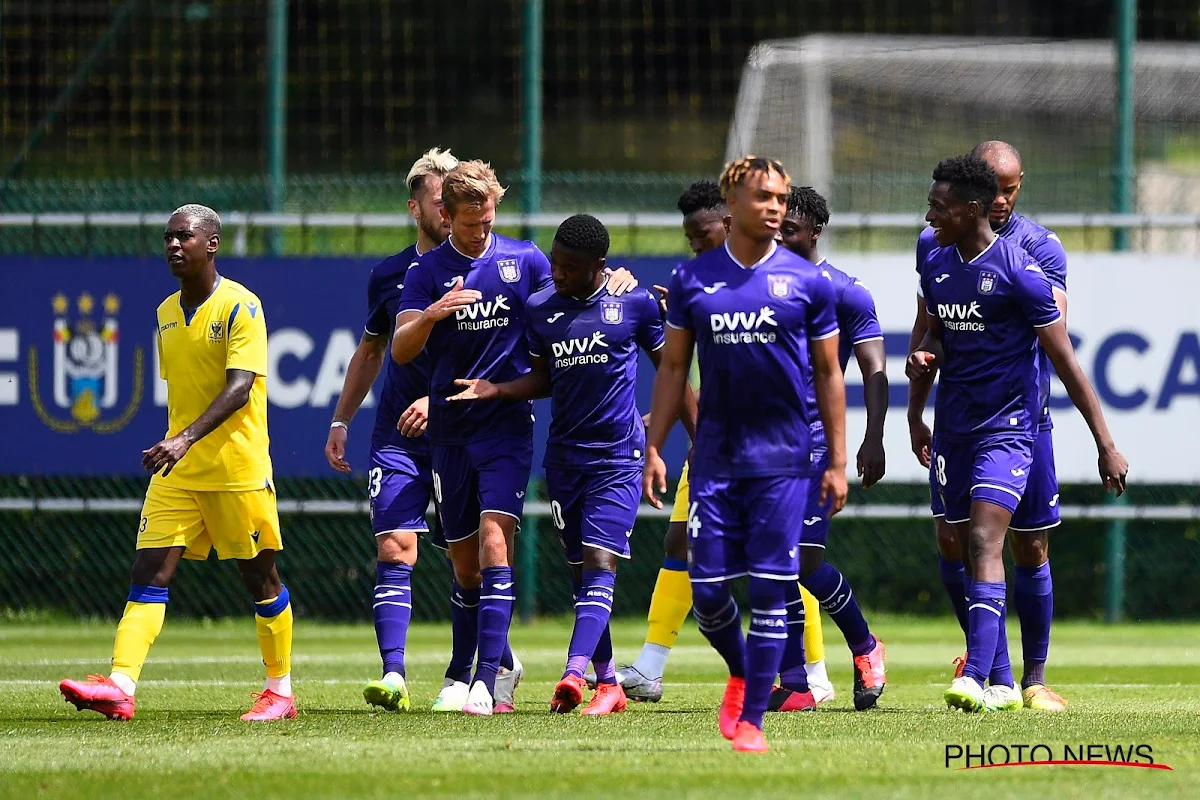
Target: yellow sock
[[140, 625], [273, 620], [669, 607], [814, 637]]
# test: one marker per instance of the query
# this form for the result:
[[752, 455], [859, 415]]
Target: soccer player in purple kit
[[1038, 511], [860, 334], [465, 303], [989, 303], [759, 316], [584, 345]]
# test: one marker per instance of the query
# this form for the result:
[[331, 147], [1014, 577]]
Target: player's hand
[[453, 300], [834, 490], [414, 419], [165, 455], [476, 389], [872, 462], [621, 281], [919, 364], [922, 442], [1113, 469], [654, 478], [646, 420], [662, 301], [335, 449]]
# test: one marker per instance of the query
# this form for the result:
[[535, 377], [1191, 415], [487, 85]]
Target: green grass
[[1127, 685]]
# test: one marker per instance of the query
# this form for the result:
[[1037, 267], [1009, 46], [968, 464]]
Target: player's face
[[574, 273], [758, 205], [705, 229], [471, 225], [797, 235], [1009, 174], [188, 246], [950, 217], [426, 209]]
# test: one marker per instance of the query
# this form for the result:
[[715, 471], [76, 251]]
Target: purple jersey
[[752, 328], [988, 307], [402, 383], [1048, 251], [592, 348], [855, 309], [485, 340]]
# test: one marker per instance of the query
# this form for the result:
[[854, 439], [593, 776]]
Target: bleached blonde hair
[[208, 219], [433, 162], [471, 183]]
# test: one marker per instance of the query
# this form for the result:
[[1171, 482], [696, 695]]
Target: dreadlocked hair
[[807, 203], [736, 172]]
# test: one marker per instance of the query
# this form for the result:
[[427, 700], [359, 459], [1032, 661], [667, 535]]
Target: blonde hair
[[471, 183], [208, 219], [432, 162], [736, 172]]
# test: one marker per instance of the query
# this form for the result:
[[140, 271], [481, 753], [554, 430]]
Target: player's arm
[[831, 403], [872, 362], [235, 394], [670, 384], [920, 383], [690, 408], [419, 312], [361, 373], [533, 385]]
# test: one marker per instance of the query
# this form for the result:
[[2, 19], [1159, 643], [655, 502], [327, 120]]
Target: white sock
[[280, 686], [394, 678], [652, 661], [127, 684], [816, 673]]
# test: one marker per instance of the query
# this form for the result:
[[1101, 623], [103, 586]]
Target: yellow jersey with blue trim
[[196, 346]]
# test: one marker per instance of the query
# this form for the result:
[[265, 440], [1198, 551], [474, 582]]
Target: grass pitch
[[1127, 685]]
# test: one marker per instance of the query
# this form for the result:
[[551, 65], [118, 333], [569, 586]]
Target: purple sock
[[506, 659], [602, 659], [717, 616], [464, 632], [393, 612], [833, 592], [985, 612], [593, 607], [1001, 673], [953, 578], [791, 667], [1033, 595], [765, 644], [496, 599]]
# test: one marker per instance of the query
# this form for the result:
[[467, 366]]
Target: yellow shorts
[[238, 524], [679, 511]]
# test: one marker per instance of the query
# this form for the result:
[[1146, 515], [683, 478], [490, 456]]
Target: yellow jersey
[[196, 347]]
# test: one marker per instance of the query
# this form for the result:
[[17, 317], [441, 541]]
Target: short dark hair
[[970, 178], [585, 234], [807, 203], [701, 196]]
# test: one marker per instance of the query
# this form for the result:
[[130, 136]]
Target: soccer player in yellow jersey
[[211, 484]]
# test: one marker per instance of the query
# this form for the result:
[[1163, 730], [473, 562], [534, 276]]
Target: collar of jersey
[[991, 244], [1012, 221], [487, 250], [190, 313], [733, 258]]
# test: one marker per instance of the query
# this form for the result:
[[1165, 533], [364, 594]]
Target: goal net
[[866, 118]]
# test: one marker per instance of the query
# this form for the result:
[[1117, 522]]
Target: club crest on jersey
[[510, 270], [85, 374], [612, 312], [779, 285], [987, 282], [216, 331]]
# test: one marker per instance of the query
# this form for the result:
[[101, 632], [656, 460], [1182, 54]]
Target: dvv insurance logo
[[994, 756]]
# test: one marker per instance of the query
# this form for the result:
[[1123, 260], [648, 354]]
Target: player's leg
[[716, 556], [814, 648], [793, 692], [1033, 588], [170, 526], [950, 559]]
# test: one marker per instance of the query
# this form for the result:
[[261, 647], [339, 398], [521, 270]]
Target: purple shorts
[[399, 486], [488, 476], [745, 526], [815, 531], [994, 469], [594, 507]]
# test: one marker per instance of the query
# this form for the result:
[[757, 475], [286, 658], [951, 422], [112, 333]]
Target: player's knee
[[261, 577], [985, 544], [947, 542], [1029, 549], [708, 599], [811, 559], [152, 567], [675, 542], [397, 548], [596, 559]]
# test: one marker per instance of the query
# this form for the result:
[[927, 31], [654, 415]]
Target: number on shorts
[[142, 526], [939, 469], [693, 522], [374, 482], [556, 515], [437, 488]]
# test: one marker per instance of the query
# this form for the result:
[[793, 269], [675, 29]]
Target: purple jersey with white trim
[[592, 349], [752, 328], [402, 383], [1046, 248], [990, 380], [485, 340]]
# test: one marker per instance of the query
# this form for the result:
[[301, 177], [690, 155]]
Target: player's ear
[[414, 208], [445, 212], [214, 243], [816, 229], [600, 263]]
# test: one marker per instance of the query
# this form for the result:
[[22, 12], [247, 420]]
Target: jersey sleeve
[[857, 318], [822, 309], [247, 338], [1035, 295], [650, 328], [377, 323], [539, 270], [534, 342], [677, 316], [1052, 258], [417, 294], [162, 362]]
